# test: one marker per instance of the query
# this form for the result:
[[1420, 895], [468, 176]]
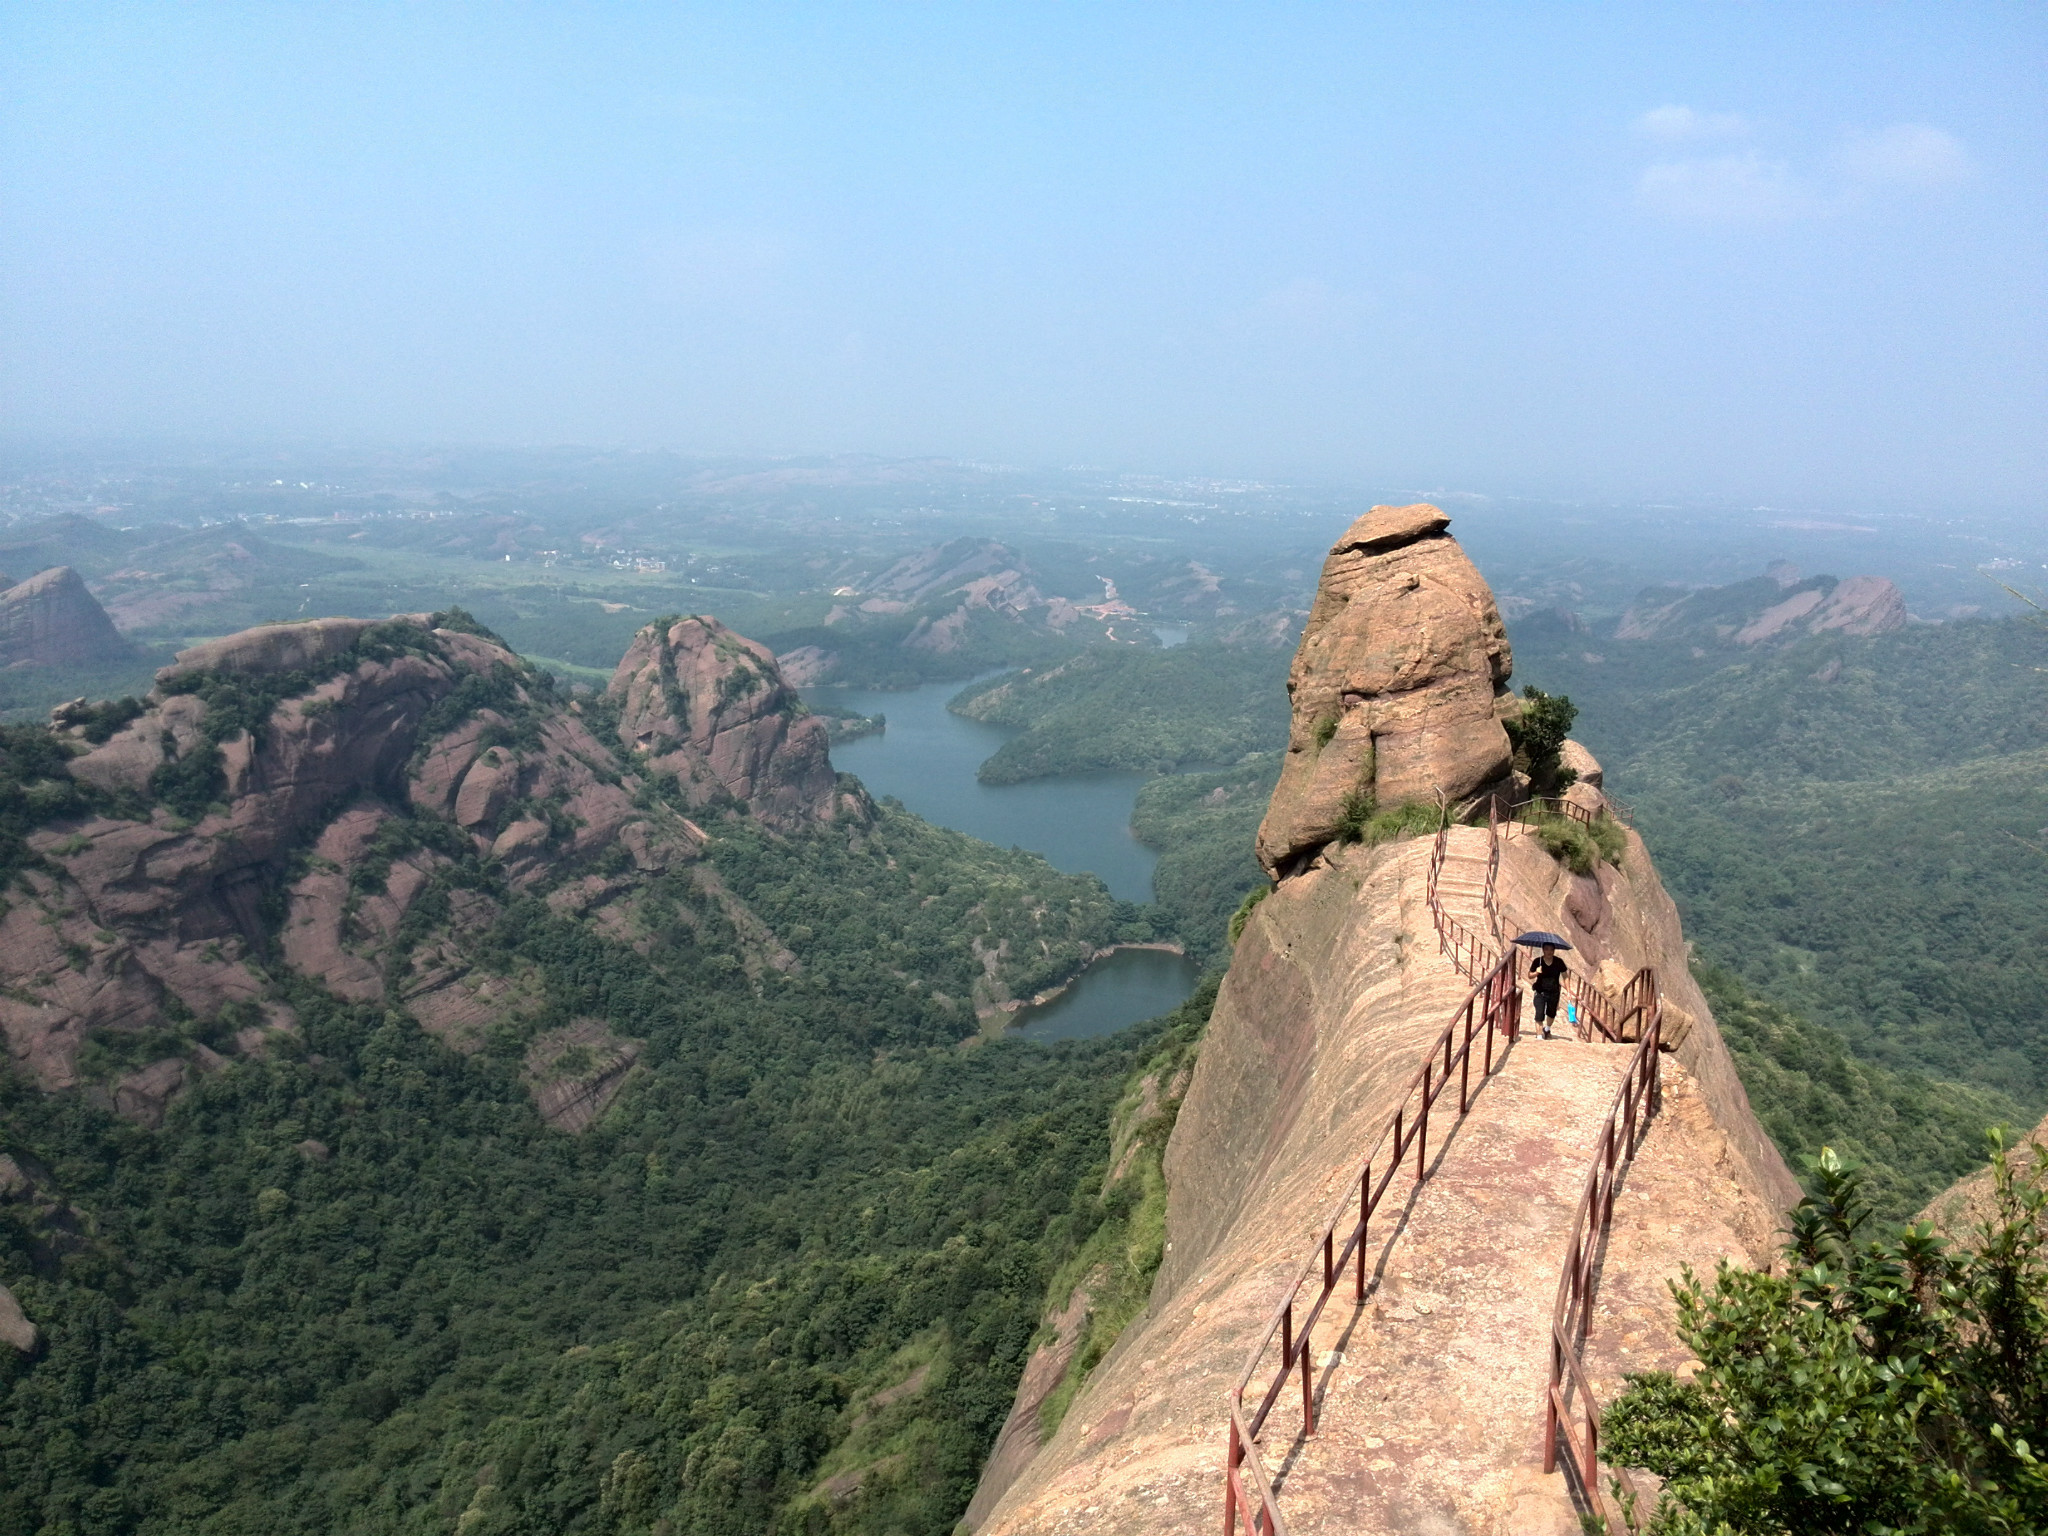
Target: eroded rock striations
[[709, 708], [52, 620], [1398, 687], [287, 796], [1430, 1394]]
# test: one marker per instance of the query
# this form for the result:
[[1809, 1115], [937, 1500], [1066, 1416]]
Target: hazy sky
[[1777, 252]]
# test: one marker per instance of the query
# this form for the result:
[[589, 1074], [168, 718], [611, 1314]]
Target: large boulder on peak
[[1398, 688], [710, 709]]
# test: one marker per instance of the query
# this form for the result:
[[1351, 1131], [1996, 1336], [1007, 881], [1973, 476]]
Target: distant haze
[[1771, 252]]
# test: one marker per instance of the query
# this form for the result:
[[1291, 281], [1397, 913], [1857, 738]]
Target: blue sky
[[1781, 253]]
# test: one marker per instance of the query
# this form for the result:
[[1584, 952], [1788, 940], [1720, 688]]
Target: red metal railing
[[1603, 1016], [1493, 1006], [1553, 805], [1468, 951], [1635, 1102]]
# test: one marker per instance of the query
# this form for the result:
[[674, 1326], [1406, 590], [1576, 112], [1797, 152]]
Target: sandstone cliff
[[1430, 1393], [710, 710], [52, 620], [287, 797], [1397, 688]]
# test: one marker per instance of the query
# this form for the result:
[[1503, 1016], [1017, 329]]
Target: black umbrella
[[1538, 938]]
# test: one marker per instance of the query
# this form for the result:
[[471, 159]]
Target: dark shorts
[[1546, 1006]]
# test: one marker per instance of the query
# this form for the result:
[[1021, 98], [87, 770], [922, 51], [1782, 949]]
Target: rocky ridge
[[1336, 988], [318, 799]]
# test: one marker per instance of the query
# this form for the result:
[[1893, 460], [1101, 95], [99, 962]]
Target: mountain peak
[[52, 619], [1396, 686]]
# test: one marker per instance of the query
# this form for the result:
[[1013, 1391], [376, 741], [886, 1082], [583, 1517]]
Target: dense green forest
[[1853, 830], [786, 1284], [1203, 826], [1148, 710]]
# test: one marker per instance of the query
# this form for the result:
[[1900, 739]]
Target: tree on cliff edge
[[1882, 1384]]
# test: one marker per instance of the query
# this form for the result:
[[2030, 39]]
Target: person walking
[[1546, 981]]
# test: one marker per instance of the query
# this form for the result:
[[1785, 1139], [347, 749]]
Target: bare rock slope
[[1430, 1392], [52, 620], [709, 708]]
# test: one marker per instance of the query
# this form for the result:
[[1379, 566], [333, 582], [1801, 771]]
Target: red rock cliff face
[[146, 919], [52, 620], [710, 709], [1397, 687]]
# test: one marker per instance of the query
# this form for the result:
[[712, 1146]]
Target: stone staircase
[[1462, 882]]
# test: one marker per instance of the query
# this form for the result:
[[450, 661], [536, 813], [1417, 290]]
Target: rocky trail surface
[[1428, 1391]]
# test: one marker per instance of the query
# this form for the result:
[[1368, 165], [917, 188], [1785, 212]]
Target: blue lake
[[927, 759], [1122, 988], [1079, 822]]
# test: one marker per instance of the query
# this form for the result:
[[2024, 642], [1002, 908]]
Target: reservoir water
[[1117, 991], [1079, 822], [927, 758]]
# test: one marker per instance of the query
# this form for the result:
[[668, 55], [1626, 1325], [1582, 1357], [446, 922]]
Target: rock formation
[[1430, 1415], [710, 710], [389, 750], [1397, 688], [1958, 1211], [1775, 607], [52, 620]]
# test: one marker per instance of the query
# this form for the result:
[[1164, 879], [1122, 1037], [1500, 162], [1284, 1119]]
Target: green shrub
[[1361, 820], [1538, 734], [1577, 846], [1243, 914], [1354, 813], [1610, 838], [1887, 1383]]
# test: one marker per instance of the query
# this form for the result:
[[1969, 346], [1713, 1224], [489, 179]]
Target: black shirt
[[1549, 974]]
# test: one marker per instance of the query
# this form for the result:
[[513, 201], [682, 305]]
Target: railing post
[[1330, 1260], [1549, 1409], [1231, 1464], [1465, 1063], [1364, 1219], [1422, 1125], [1591, 1473], [1308, 1396]]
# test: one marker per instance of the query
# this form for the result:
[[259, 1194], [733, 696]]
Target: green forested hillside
[[1137, 709], [1203, 826], [361, 1287], [1853, 830]]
